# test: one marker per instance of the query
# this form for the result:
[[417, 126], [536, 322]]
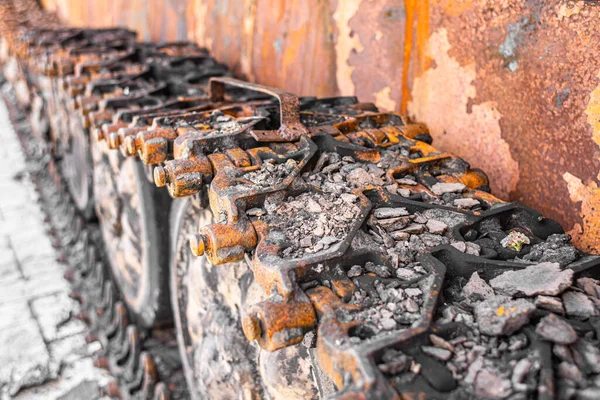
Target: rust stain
[[456, 125], [347, 43], [417, 12]]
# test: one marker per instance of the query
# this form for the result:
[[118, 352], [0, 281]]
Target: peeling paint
[[383, 99], [346, 44], [444, 104], [565, 11], [587, 234], [593, 113]]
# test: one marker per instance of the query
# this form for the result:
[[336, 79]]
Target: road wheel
[[208, 302], [77, 165], [218, 361], [134, 218]]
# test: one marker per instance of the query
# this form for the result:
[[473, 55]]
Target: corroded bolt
[[198, 245], [160, 176], [130, 146], [113, 140], [101, 362], [111, 389], [251, 327]]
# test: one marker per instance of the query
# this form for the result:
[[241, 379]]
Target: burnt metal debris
[[414, 279]]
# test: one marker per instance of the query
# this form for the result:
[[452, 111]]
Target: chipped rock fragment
[[441, 187], [590, 286], [556, 330], [550, 303], [414, 229], [441, 342], [306, 241], [406, 274], [348, 197], [437, 227], [466, 202], [587, 355], [477, 289], [388, 212], [473, 249], [436, 352], [410, 305], [502, 316], [520, 372], [388, 324], [489, 385], [578, 305], [406, 181], [255, 212], [355, 270], [569, 371], [413, 292], [359, 177], [544, 278]]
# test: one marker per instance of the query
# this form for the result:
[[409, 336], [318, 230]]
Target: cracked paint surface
[[455, 123]]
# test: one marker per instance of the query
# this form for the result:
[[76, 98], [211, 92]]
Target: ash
[[311, 222], [217, 123], [271, 173]]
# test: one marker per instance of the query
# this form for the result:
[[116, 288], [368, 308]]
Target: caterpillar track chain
[[357, 260]]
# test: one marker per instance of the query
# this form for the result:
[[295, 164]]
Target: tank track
[[413, 280], [144, 366]]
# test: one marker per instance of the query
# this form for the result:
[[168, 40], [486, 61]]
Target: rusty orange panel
[[513, 88]]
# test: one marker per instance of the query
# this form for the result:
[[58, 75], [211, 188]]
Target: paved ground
[[43, 354]]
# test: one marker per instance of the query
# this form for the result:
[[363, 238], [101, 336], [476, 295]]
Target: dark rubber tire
[[139, 255]]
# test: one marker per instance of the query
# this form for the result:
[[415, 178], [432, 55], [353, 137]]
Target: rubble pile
[[338, 174], [386, 302], [403, 235], [271, 173], [311, 221], [498, 358]]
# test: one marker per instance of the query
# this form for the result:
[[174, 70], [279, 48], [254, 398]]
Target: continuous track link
[[358, 260]]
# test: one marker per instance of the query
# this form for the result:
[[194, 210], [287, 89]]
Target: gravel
[[310, 222], [270, 173]]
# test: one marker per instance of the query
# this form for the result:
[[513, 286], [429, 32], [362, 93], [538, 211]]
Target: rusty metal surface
[[519, 80], [277, 169]]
